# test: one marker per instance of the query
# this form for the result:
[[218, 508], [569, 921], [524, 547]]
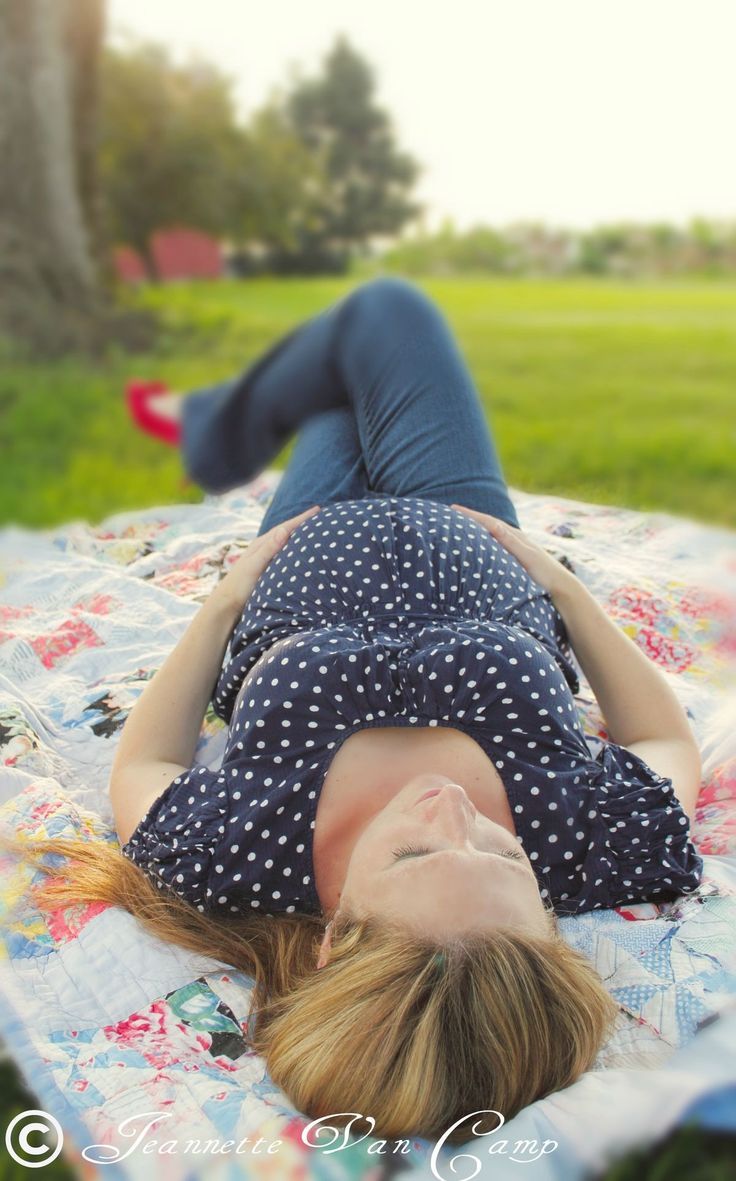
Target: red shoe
[[138, 394]]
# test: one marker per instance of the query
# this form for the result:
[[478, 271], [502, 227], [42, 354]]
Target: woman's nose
[[452, 808]]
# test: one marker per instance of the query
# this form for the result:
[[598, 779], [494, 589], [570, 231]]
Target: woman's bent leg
[[421, 424], [231, 431], [384, 351]]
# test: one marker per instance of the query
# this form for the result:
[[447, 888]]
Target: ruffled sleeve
[[175, 842], [645, 848]]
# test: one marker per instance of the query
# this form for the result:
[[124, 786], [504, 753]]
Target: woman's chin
[[425, 780]]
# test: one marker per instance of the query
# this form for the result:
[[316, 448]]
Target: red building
[[178, 253]]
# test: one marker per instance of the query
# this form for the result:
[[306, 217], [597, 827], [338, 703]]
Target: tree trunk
[[144, 249], [49, 295], [84, 34]]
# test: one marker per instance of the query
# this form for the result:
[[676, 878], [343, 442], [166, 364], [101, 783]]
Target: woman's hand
[[237, 585], [546, 570]]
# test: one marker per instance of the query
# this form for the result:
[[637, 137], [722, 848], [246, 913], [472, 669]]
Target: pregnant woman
[[407, 801]]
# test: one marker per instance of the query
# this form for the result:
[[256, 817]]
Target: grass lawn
[[615, 393]]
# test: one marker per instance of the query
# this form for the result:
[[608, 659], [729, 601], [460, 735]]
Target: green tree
[[368, 176], [173, 152], [169, 146], [276, 184]]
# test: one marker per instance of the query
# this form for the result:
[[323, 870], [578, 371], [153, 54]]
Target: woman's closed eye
[[419, 851]]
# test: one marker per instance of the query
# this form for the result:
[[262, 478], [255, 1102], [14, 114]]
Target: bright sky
[[571, 111]]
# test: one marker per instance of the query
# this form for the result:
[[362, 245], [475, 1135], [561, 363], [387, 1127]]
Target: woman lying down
[[406, 801]]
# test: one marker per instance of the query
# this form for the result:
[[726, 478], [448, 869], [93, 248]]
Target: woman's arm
[[165, 722], [159, 738], [635, 699], [640, 709]]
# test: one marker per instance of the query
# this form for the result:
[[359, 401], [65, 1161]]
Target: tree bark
[[84, 29], [49, 291]]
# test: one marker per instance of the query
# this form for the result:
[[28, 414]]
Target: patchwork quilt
[[137, 1047]]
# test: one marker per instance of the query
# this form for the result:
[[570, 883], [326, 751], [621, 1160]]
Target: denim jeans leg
[[325, 466], [421, 424]]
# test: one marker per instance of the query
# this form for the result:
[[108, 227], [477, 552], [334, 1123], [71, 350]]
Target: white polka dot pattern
[[400, 611]]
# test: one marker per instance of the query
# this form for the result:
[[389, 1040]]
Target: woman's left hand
[[546, 570], [237, 585]]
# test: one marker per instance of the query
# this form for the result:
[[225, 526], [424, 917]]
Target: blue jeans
[[383, 402]]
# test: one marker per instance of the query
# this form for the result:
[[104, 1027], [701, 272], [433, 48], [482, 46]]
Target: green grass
[[609, 392]]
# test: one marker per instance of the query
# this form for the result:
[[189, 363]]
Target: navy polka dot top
[[400, 611]]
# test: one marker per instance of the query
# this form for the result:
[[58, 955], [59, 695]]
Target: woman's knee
[[391, 296]]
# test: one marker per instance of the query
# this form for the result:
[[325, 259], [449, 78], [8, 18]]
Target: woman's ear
[[325, 946]]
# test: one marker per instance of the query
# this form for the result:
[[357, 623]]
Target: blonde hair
[[413, 1032]]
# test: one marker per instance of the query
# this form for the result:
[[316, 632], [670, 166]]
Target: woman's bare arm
[[640, 709], [165, 722], [635, 698], [160, 736]]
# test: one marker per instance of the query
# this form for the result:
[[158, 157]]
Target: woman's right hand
[[239, 582], [546, 570]]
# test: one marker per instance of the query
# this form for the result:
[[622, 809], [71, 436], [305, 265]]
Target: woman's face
[[467, 875]]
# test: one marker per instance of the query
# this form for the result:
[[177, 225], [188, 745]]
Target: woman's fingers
[[274, 538], [245, 572], [510, 536], [474, 512], [283, 531], [545, 569], [493, 524]]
